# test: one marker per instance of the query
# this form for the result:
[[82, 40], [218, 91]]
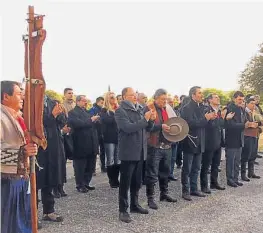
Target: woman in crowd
[[110, 137]]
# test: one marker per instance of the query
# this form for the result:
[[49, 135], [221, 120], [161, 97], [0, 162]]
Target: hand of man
[[209, 116], [57, 110], [153, 115], [247, 124], [95, 118], [230, 115], [254, 125], [66, 129], [31, 149], [147, 115], [166, 128]]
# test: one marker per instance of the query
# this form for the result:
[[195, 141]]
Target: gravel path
[[230, 211]]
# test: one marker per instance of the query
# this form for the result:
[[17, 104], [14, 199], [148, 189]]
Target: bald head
[[129, 94]]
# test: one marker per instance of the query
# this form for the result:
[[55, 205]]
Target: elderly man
[[85, 143], [132, 145], [194, 145], [15, 197], [159, 150], [142, 99]]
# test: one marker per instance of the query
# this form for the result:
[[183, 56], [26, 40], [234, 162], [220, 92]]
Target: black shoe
[[56, 193], [239, 183], [152, 204], [125, 217], [138, 209], [53, 217], [39, 225], [206, 190], [186, 196], [244, 178], [259, 156], [197, 194], [172, 178], [219, 169], [82, 189], [167, 198], [232, 184], [217, 186], [91, 188], [114, 186], [254, 176]]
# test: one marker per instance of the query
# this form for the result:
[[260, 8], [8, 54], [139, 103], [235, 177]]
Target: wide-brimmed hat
[[178, 129]]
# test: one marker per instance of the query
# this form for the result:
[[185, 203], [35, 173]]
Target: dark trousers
[[190, 169], [130, 179], [233, 157], [212, 158], [179, 155], [173, 158], [83, 169], [102, 153], [48, 201], [157, 168]]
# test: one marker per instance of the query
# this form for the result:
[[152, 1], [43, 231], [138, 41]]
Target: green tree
[[54, 95], [251, 78], [224, 98]]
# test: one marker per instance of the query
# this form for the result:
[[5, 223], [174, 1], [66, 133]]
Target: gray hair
[[159, 92], [78, 98]]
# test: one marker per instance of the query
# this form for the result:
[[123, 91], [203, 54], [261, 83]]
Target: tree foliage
[[251, 78], [224, 96], [54, 95]]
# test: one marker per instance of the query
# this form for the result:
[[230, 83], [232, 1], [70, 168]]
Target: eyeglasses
[[112, 97]]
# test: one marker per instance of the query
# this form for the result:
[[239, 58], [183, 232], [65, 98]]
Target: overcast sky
[[143, 45]]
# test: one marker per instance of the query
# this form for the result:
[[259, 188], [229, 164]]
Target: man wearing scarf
[[159, 150]]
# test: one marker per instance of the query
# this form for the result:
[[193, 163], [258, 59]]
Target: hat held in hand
[[179, 129]]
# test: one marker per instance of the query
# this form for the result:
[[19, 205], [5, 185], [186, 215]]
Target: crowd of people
[[127, 132]]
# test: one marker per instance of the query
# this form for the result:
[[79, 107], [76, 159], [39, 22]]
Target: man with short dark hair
[[212, 154], [69, 102], [132, 149], [96, 111], [15, 152], [235, 123], [194, 145]]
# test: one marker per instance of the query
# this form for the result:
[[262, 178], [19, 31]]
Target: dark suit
[[212, 154], [132, 152], [194, 114], [85, 143]]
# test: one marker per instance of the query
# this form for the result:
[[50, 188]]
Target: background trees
[[251, 78]]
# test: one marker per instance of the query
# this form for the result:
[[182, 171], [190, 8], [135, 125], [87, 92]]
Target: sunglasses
[[112, 97]]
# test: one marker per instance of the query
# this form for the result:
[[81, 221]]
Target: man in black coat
[[212, 154], [132, 147], [94, 111], [52, 160], [194, 145], [85, 143], [235, 123]]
